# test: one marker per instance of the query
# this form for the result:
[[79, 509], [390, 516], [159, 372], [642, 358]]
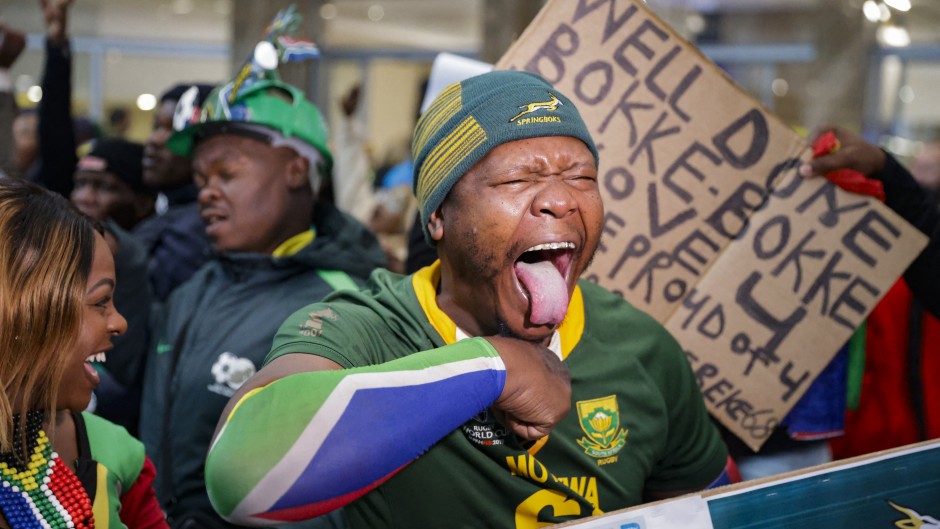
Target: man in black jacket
[[258, 157]]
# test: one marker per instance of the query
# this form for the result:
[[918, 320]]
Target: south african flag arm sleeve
[[312, 442]]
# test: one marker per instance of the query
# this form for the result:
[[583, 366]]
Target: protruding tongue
[[548, 292]]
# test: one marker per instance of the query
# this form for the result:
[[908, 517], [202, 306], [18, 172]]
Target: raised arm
[[305, 437], [57, 157]]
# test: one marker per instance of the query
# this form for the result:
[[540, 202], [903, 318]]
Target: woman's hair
[[46, 251]]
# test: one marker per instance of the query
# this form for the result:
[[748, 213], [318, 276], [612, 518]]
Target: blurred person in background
[[108, 183], [109, 188], [174, 238], [25, 138], [385, 204], [926, 168], [119, 122], [12, 43]]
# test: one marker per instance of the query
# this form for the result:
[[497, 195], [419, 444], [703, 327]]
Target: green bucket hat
[[269, 110], [470, 118]]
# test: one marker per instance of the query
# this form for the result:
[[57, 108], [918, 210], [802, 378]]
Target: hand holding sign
[[838, 153]]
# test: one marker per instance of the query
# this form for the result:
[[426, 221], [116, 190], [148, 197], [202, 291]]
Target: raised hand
[[56, 13], [853, 153], [350, 100]]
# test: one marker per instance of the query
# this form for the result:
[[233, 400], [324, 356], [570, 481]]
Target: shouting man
[[491, 389]]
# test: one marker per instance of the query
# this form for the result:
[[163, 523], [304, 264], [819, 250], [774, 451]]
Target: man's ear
[[297, 172], [436, 224]]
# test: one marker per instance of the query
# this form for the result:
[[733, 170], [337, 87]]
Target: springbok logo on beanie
[[549, 105]]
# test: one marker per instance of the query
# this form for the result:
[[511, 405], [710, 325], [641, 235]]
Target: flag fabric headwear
[[259, 105]]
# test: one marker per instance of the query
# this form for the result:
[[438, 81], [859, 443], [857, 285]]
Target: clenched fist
[[537, 394]]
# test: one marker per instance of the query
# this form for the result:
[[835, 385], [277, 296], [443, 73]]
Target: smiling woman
[[58, 466]]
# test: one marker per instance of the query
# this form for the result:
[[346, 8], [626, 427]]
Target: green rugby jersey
[[637, 420]]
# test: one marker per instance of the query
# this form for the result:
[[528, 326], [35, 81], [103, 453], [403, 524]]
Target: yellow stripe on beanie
[[445, 156]]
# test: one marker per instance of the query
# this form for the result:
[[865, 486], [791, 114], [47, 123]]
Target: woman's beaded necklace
[[41, 493]]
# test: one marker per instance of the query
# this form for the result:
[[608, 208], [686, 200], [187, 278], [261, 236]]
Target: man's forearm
[[311, 442]]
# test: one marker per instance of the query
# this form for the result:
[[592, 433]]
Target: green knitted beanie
[[472, 117]]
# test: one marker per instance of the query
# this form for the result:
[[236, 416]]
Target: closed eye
[[585, 181], [512, 182]]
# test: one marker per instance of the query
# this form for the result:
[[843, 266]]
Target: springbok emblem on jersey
[[550, 105], [914, 520], [600, 420]]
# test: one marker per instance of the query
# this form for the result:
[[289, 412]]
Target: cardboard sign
[[761, 275]]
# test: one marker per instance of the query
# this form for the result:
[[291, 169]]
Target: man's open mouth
[[543, 272], [210, 218]]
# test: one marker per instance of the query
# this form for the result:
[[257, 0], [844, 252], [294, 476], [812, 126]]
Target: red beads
[[71, 495]]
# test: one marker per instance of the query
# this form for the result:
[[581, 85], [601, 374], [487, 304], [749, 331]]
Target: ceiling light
[[695, 23], [146, 102], [885, 12], [872, 13], [900, 5], [780, 87], [376, 12], [34, 93], [894, 36]]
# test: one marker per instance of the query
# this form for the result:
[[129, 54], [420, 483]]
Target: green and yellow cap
[[268, 110]]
